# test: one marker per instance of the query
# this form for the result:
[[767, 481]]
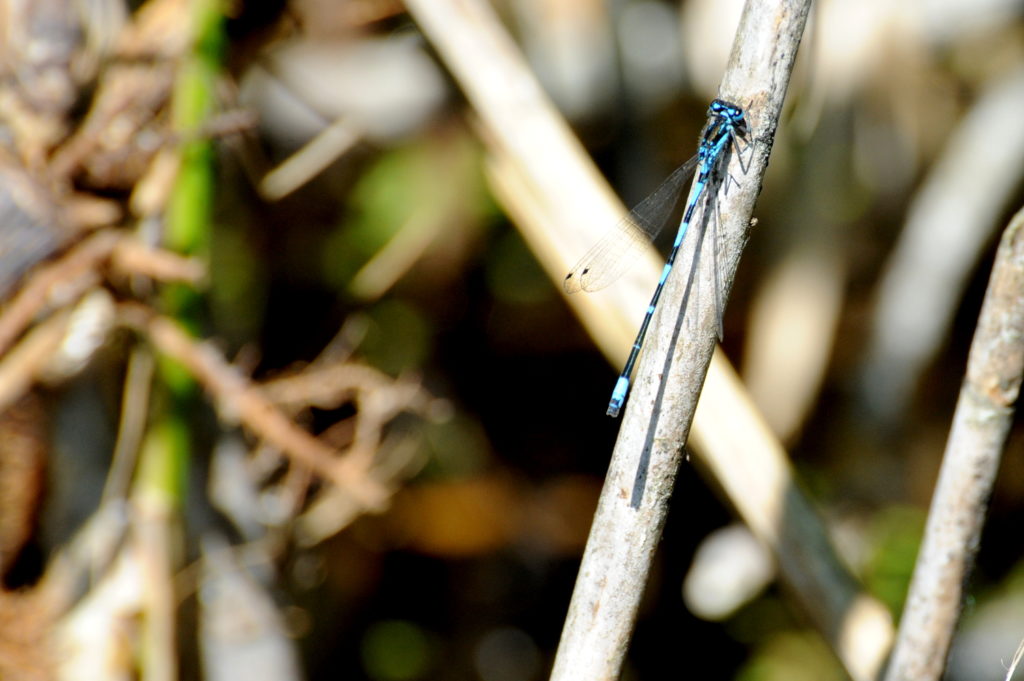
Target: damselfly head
[[733, 113]]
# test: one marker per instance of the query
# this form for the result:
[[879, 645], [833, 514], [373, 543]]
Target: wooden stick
[[981, 423]]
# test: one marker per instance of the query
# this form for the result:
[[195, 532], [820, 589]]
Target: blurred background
[[316, 214]]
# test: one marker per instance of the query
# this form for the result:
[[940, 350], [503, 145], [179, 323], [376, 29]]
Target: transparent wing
[[609, 258]]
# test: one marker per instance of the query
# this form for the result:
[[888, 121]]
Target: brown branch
[[56, 284], [72, 275], [22, 366], [133, 257], [378, 397], [238, 399]]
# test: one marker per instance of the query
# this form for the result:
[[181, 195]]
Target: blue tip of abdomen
[[618, 396]]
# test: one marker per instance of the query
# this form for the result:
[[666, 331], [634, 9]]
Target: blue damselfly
[[610, 257]]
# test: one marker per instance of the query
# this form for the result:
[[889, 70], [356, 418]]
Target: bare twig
[[982, 420], [332, 142], [238, 398], [131, 256], [132, 425], [378, 398], [68, 278], [56, 284], [22, 366]]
